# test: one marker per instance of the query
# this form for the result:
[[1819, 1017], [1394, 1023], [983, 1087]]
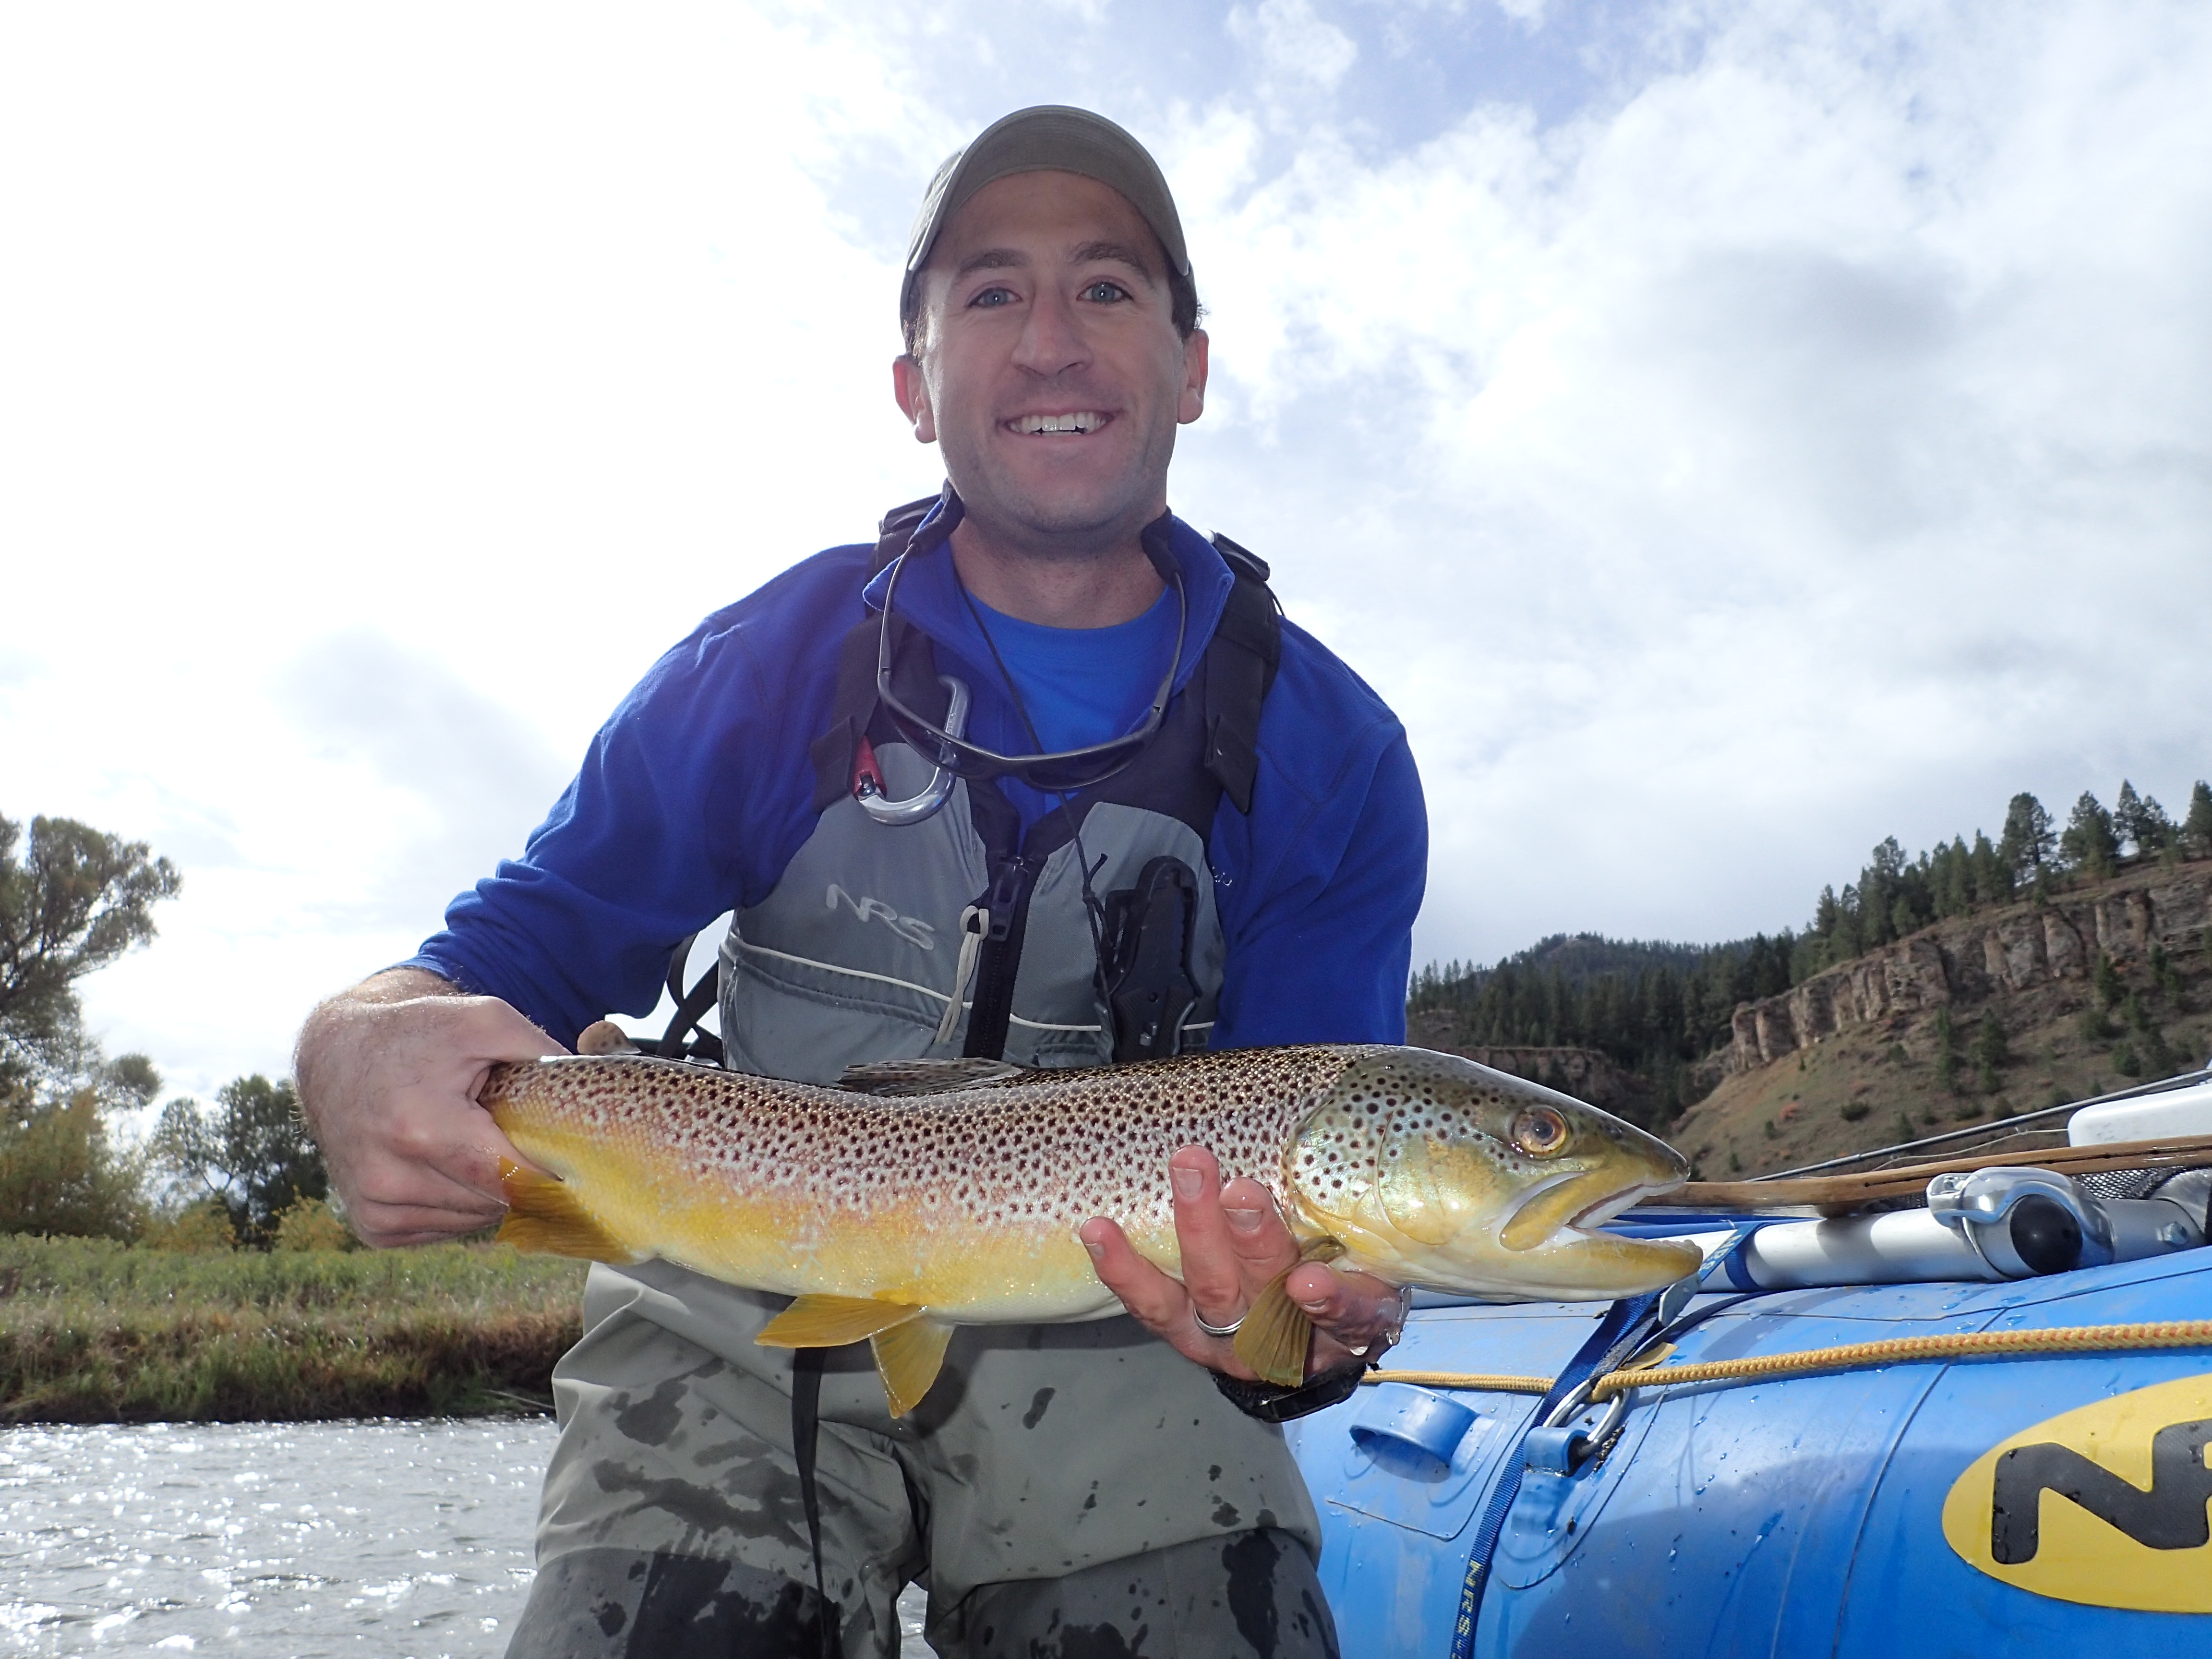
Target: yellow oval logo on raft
[[2110, 1504]]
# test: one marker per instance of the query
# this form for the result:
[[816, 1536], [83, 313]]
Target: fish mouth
[[1550, 1214], [1590, 1220]]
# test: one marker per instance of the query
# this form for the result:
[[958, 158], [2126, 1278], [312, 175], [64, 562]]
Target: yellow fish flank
[[925, 1194]]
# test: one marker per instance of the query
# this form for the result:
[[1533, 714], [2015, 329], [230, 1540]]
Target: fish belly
[[919, 1252]]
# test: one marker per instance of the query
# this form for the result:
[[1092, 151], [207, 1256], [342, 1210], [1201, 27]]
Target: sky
[[1728, 432]]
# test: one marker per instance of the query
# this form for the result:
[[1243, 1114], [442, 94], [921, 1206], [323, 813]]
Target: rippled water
[[400, 1538], [276, 1540]]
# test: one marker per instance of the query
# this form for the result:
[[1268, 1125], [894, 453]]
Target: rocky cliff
[[1855, 1057], [1970, 959]]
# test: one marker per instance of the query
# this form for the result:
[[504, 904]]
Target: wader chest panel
[[856, 953]]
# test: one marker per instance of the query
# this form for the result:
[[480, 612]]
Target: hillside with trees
[[1661, 1027]]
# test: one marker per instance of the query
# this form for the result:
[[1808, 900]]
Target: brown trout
[[918, 1195]]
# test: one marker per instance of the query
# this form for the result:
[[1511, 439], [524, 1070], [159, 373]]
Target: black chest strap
[[1241, 661]]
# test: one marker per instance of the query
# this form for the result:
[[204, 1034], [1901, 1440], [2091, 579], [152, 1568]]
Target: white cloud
[[1781, 459], [1293, 42]]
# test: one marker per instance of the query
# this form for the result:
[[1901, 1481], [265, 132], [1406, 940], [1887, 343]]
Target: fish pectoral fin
[[544, 1218], [1276, 1337], [909, 1358], [928, 1077], [831, 1321]]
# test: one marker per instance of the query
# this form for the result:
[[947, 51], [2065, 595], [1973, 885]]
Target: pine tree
[[2196, 829], [1992, 876], [2089, 844], [2106, 978], [1946, 1053], [2141, 822], [2029, 837]]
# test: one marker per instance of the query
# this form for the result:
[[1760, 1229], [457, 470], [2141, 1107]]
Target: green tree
[[252, 1152], [2105, 978], [2028, 839], [72, 900], [1992, 876], [60, 1174], [1947, 1052], [1991, 1051], [2197, 827], [2089, 844], [75, 900], [2140, 822]]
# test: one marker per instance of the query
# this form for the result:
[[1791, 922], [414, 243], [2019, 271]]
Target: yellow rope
[[1963, 1345], [1464, 1380]]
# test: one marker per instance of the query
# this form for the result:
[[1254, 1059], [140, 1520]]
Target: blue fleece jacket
[[699, 790]]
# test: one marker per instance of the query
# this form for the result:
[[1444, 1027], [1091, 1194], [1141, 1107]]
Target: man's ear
[[1191, 403], [911, 388]]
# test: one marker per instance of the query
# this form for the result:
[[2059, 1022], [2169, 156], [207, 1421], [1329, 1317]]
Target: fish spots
[[1033, 1156], [1038, 1406], [610, 1617], [1214, 1471], [1226, 1514]]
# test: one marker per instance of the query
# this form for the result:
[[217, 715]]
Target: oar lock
[[2025, 1223]]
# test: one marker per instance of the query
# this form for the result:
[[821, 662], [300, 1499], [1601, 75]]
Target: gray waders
[[1064, 1489]]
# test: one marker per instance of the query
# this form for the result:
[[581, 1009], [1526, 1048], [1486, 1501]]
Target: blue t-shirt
[[1079, 686]]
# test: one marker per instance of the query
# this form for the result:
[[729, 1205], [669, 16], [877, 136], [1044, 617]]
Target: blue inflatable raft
[[2040, 1503]]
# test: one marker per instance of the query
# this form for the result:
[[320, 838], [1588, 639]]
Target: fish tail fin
[[1276, 1337], [831, 1321], [543, 1218], [909, 1357]]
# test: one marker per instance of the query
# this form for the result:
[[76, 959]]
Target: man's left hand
[[1235, 1245]]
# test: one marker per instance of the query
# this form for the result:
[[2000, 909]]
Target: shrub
[[195, 1229], [311, 1224], [60, 1176]]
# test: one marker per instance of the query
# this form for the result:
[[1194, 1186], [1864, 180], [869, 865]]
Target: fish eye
[[1539, 1132]]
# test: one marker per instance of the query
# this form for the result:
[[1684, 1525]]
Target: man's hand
[[388, 1076], [1234, 1246]]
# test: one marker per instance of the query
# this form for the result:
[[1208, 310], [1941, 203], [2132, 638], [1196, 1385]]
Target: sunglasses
[[1060, 773]]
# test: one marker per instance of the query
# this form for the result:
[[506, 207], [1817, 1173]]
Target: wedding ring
[[1230, 1329]]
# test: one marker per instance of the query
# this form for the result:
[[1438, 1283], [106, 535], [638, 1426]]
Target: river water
[[274, 1540]]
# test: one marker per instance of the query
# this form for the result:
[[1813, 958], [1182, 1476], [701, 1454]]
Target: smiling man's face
[[1050, 369]]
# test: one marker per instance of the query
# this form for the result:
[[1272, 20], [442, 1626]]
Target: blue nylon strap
[[1726, 1262], [1623, 1323]]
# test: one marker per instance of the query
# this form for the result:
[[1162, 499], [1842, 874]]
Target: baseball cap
[[1047, 137]]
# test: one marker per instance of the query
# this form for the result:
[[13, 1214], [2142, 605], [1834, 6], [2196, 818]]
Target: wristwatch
[[1272, 1403]]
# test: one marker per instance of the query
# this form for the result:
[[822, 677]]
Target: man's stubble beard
[[1019, 521]]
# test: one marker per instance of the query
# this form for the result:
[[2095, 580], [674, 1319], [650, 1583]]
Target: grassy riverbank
[[96, 1332]]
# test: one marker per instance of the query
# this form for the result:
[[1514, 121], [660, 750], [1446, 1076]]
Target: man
[[1162, 816]]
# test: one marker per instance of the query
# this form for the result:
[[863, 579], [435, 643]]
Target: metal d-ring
[[934, 793], [1573, 1402]]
